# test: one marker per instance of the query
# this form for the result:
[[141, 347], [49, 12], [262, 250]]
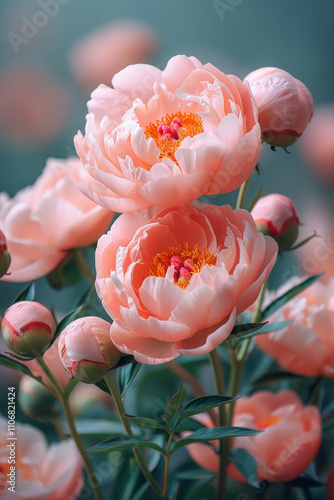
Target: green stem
[[242, 193], [165, 488], [71, 425], [255, 318], [223, 448], [83, 266], [121, 411]]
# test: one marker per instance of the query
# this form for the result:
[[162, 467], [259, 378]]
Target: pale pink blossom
[[102, 53], [45, 221], [306, 346], [33, 106], [167, 137], [42, 472], [285, 105], [174, 285], [4, 255], [28, 328], [277, 216], [86, 350], [289, 442], [317, 146]]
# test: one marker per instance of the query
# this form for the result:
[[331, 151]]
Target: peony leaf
[[28, 293], [66, 321], [126, 375], [15, 365], [123, 443], [146, 422], [210, 434], [174, 404], [287, 296], [266, 328], [245, 329], [246, 465], [201, 405]]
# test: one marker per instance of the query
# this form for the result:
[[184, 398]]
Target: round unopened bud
[[285, 105], [86, 349], [4, 255], [35, 400], [89, 400], [28, 328], [277, 216]]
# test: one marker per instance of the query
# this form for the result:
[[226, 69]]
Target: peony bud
[[330, 485], [35, 400], [285, 105], [4, 255], [276, 216], [28, 328], [86, 349]]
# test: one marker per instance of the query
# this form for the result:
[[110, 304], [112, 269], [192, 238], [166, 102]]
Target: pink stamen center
[[170, 132], [183, 269]]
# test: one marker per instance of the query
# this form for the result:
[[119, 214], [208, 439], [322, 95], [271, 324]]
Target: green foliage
[[126, 375]]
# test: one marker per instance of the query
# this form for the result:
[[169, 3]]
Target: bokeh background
[[237, 36]]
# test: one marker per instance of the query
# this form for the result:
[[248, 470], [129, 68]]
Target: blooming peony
[[44, 221], [306, 346], [41, 472], [289, 442], [175, 284], [167, 137]]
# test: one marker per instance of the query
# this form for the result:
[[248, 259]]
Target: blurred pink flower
[[175, 284], [317, 146], [317, 256], [285, 105], [167, 137], [44, 221], [306, 346], [97, 57], [289, 442], [33, 106], [41, 472]]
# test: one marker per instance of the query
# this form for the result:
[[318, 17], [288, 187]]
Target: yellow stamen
[[162, 261], [191, 126]]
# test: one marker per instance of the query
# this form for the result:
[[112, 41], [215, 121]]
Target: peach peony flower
[[317, 146], [285, 105], [96, 58], [41, 472], [289, 442], [306, 346], [277, 216], [44, 221], [167, 137], [175, 285], [33, 106]]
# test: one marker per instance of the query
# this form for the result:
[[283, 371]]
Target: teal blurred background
[[238, 36]]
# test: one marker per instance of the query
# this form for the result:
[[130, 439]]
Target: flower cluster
[[178, 277]]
